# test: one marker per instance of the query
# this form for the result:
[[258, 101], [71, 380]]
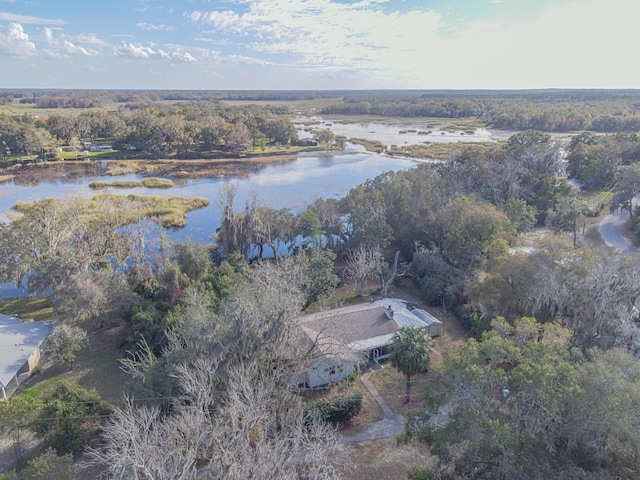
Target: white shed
[[434, 326], [19, 350]]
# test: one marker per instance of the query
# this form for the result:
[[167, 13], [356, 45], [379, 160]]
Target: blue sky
[[319, 44]]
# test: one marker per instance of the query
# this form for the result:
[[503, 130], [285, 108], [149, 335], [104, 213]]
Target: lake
[[289, 184], [413, 131]]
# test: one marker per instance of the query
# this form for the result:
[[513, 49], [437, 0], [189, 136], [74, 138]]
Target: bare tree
[[362, 263], [236, 415], [258, 429], [141, 443]]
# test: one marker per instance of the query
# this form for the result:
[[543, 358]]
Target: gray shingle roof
[[356, 328]]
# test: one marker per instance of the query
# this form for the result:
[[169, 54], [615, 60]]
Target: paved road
[[610, 231], [392, 424]]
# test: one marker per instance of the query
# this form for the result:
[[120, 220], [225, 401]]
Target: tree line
[[184, 130], [548, 111], [78, 98]]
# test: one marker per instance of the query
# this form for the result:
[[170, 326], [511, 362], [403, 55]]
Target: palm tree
[[410, 353]]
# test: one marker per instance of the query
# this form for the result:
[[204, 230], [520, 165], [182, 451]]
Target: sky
[[319, 44]]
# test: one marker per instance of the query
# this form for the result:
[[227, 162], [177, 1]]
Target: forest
[[194, 124], [184, 131], [544, 110], [545, 384]]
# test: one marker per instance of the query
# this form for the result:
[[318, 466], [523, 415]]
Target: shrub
[[48, 465], [70, 414], [338, 410], [417, 473]]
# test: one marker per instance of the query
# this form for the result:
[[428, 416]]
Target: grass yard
[[383, 460], [96, 368], [38, 309], [391, 385]]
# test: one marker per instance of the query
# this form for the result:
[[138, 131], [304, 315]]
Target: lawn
[[96, 368], [38, 309], [383, 460]]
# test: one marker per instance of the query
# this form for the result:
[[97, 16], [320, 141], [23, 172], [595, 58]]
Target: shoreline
[[179, 169]]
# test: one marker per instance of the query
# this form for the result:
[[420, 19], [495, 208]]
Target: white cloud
[[14, 17], [16, 43], [167, 52], [243, 60], [325, 34], [91, 40], [61, 46], [149, 26], [579, 43]]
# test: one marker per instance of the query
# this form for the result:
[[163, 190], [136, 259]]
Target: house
[[339, 342], [307, 142], [100, 148], [19, 350]]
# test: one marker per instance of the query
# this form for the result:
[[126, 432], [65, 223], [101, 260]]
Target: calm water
[[389, 134], [294, 184]]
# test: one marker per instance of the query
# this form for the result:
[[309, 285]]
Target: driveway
[[391, 425], [611, 233]]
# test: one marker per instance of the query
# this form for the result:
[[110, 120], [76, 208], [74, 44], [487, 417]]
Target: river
[[290, 184]]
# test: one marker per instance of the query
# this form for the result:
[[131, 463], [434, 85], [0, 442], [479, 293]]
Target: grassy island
[[152, 182]]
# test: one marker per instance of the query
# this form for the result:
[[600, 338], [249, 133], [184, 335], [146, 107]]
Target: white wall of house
[[329, 370]]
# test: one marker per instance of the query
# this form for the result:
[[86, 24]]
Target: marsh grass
[[432, 151], [124, 168], [155, 182], [116, 184], [169, 212], [370, 145]]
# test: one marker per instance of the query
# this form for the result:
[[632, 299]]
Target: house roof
[[18, 340], [349, 324], [344, 332], [426, 316]]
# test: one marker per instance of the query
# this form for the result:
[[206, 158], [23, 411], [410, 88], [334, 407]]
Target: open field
[[307, 107], [30, 109], [303, 106]]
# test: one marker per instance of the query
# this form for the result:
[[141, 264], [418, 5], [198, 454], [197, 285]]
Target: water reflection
[[407, 132], [293, 184]]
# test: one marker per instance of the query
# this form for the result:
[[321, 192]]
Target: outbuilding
[[20, 343]]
